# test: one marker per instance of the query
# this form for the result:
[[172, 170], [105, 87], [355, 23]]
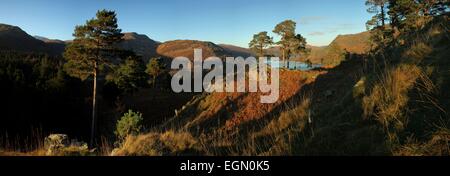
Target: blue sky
[[220, 21]]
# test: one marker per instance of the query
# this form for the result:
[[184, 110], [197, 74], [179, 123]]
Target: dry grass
[[279, 136], [437, 145], [389, 96], [33, 144], [158, 144], [417, 53], [296, 117]]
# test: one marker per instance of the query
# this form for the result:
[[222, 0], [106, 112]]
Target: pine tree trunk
[[94, 105], [286, 58], [261, 54], [283, 54], [383, 23], [383, 16]]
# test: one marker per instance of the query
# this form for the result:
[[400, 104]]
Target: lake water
[[293, 65]]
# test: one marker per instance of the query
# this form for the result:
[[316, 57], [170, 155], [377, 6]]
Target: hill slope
[[237, 51], [176, 48], [141, 44], [394, 103], [352, 43], [14, 38]]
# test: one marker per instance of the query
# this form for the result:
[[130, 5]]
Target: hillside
[[393, 103], [14, 38], [237, 51], [57, 46], [352, 43], [317, 54], [141, 44], [342, 45], [172, 49], [47, 40]]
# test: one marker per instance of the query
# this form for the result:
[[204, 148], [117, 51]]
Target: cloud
[[316, 33], [308, 19], [340, 27], [335, 29]]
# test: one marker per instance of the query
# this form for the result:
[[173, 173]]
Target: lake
[[293, 65]]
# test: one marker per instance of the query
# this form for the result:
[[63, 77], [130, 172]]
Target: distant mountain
[[172, 49], [56, 46], [274, 51], [141, 44], [14, 38], [47, 40], [237, 51], [352, 43]]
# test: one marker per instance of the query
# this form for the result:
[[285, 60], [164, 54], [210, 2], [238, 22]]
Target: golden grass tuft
[[417, 53], [158, 144], [389, 96], [437, 145]]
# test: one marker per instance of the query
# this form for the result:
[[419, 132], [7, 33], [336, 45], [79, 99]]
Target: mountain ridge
[[14, 38]]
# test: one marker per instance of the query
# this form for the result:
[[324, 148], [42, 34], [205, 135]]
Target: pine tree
[[377, 25], [406, 14], [92, 48], [379, 8], [130, 75], [297, 46], [286, 30], [433, 7], [260, 42], [154, 69]]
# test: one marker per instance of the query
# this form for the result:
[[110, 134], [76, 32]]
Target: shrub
[[129, 124]]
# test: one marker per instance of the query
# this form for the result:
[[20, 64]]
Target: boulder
[[60, 145]]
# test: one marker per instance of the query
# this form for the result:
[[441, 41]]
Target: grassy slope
[[361, 107]]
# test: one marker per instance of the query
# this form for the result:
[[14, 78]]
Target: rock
[[54, 141], [59, 144]]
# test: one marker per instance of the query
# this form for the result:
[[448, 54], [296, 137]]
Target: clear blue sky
[[220, 21]]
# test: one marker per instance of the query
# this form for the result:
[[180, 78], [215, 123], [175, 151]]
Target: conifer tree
[[286, 30], [92, 48], [260, 42], [379, 8]]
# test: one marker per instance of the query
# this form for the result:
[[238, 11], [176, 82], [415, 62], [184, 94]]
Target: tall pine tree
[[379, 8], [286, 30], [377, 24], [93, 47]]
